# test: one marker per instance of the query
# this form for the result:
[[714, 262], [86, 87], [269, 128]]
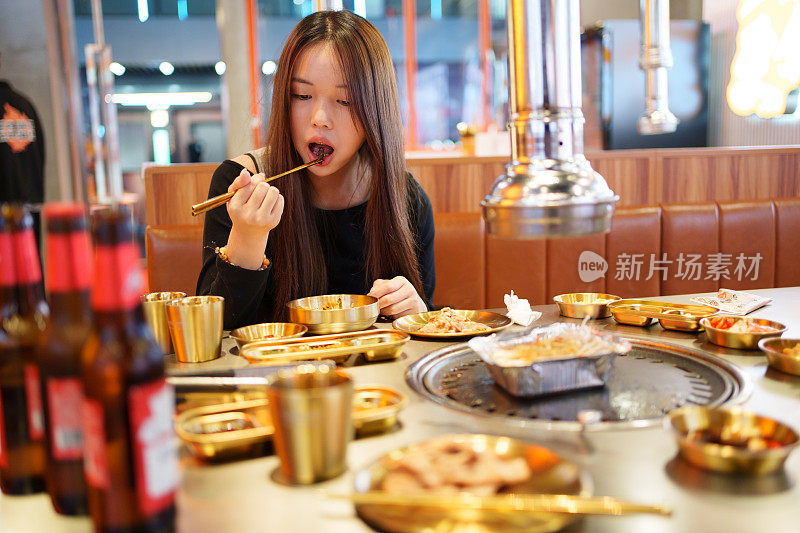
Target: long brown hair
[[299, 265]]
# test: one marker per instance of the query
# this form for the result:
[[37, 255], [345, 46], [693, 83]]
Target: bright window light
[[360, 8], [766, 67], [268, 67], [183, 9], [144, 13], [160, 100], [159, 118], [117, 69], [166, 68], [220, 67], [161, 146], [436, 9]]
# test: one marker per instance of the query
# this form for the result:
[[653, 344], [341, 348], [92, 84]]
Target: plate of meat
[[478, 465], [448, 323]]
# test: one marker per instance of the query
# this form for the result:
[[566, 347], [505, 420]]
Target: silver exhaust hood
[[549, 188], [655, 58]]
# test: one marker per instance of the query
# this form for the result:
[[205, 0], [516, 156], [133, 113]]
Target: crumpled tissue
[[519, 310]]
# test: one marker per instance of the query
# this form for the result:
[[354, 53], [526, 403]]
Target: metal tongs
[[217, 201]]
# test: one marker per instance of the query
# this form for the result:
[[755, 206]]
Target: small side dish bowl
[[782, 354], [267, 331], [334, 313], [582, 304], [731, 440], [740, 341]]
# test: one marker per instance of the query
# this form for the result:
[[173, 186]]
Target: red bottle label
[[69, 262], [151, 407], [95, 464], [3, 454], [8, 267], [118, 279], [64, 398], [28, 268], [33, 398]]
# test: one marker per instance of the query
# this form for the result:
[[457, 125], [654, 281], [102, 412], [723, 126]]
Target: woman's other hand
[[397, 297], [255, 210]]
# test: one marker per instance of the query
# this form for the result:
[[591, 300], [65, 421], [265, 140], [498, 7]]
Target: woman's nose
[[321, 118]]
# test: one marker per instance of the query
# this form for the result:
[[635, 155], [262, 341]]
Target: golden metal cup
[[154, 306], [195, 325], [311, 407]]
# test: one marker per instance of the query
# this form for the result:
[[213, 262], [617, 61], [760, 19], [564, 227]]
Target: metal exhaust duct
[[655, 58], [549, 189]]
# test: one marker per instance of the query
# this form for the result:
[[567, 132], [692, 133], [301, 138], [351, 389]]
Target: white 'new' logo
[[591, 266]]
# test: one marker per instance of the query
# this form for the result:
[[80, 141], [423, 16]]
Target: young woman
[[357, 222]]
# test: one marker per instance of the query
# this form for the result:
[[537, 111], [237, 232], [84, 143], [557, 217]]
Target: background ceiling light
[[117, 69], [268, 67], [160, 100], [159, 118], [166, 68], [220, 67]]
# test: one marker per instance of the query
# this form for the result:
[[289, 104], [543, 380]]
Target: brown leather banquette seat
[[650, 251]]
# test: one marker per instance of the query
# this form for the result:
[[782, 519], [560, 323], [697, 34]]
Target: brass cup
[[311, 407], [154, 306], [195, 325]]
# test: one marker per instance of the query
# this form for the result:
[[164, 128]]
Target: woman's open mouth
[[321, 150]]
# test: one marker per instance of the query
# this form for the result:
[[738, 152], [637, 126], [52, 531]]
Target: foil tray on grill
[[552, 374]]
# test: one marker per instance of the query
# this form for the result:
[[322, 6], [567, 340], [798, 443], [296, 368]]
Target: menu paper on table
[[733, 302]]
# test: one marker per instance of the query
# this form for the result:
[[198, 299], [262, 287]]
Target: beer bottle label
[[3, 454], [28, 268], [33, 398], [95, 465], [118, 280], [72, 269], [8, 267], [151, 408], [64, 397]]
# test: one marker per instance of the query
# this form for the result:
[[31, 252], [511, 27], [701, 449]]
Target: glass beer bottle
[[24, 317], [68, 279], [129, 455]]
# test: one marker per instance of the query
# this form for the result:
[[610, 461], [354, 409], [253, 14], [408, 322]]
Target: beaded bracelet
[[222, 252]]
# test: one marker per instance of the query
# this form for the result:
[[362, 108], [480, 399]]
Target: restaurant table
[[633, 464]]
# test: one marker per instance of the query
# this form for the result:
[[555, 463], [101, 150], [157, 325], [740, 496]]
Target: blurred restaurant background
[[191, 79]]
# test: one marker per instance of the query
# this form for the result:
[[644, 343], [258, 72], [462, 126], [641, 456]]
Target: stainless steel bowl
[[267, 331], [322, 315], [774, 348], [582, 304], [740, 341], [733, 425]]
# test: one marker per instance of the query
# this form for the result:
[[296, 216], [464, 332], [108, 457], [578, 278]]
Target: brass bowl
[[358, 312], [267, 331], [741, 341], [375, 409], [773, 348], [226, 431], [727, 425], [582, 304], [683, 321], [630, 316]]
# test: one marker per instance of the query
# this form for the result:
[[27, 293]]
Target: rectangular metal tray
[[552, 376], [678, 317], [375, 345]]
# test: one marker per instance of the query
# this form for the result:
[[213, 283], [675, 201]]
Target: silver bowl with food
[[334, 313]]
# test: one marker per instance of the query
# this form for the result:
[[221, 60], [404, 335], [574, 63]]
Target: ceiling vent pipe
[[549, 189], [655, 58]]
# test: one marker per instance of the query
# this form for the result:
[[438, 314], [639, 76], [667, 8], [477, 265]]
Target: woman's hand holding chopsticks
[[255, 209]]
